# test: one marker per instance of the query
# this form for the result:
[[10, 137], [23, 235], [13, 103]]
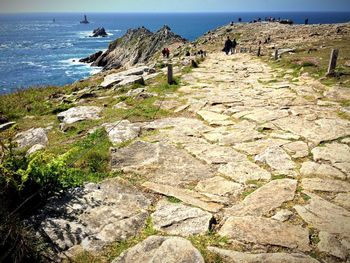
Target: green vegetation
[[173, 199]]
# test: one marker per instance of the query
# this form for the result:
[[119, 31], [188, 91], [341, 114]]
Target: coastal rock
[[126, 77], [161, 249], [79, 113], [31, 137], [244, 171], [181, 220], [122, 131], [99, 32], [91, 58], [243, 257], [94, 216], [265, 198], [137, 46], [249, 229]]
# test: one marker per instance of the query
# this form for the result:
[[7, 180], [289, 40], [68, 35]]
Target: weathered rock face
[[122, 131], [156, 249], [178, 219], [91, 58], [136, 46], [99, 32], [94, 216]]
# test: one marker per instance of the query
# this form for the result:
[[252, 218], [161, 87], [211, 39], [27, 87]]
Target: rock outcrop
[[91, 58], [137, 46], [99, 32]]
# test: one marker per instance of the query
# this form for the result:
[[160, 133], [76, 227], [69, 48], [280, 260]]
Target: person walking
[[228, 45]]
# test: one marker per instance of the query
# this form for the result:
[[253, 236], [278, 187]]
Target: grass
[[173, 200], [202, 242]]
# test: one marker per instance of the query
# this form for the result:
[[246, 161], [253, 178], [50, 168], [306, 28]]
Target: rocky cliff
[[137, 46]]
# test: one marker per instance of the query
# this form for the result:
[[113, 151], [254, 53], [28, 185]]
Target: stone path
[[266, 161]]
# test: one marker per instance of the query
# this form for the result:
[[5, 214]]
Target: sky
[[20, 6]]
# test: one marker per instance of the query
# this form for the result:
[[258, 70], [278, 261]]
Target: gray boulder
[[31, 137], [79, 113]]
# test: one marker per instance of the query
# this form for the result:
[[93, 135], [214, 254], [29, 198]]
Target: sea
[[41, 49]]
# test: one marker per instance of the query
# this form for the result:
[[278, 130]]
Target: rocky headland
[[241, 159]]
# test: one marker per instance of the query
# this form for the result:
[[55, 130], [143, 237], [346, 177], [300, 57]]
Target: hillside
[[241, 159]]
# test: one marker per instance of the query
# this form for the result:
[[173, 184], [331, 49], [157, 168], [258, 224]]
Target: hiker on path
[[234, 44], [228, 45]]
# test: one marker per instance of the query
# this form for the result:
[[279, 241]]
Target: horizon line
[[169, 12]]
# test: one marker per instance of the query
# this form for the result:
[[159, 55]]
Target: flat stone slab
[[297, 149], [265, 231], [79, 113], [185, 195], [264, 115], [230, 137], [332, 246], [116, 78], [276, 158], [241, 257], [343, 199], [315, 131], [122, 131], [31, 137], [159, 162], [333, 152], [214, 118], [325, 185], [265, 198], [219, 186], [180, 220], [244, 171], [161, 249], [309, 169], [325, 216], [258, 146], [94, 216]]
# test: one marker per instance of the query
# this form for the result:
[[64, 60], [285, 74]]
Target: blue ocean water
[[35, 51]]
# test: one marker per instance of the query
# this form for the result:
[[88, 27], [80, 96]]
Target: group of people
[[230, 46], [166, 52]]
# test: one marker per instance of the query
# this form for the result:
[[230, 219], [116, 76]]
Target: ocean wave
[[74, 67]]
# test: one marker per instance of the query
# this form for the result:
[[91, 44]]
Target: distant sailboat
[[85, 21]]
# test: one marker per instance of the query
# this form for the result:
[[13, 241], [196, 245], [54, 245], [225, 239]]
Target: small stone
[[282, 215], [179, 219], [121, 105], [161, 249], [244, 171], [331, 245]]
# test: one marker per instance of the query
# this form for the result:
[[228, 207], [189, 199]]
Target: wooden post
[[276, 53], [332, 62], [170, 73], [259, 51]]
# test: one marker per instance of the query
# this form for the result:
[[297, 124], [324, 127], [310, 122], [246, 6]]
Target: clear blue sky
[[15, 6]]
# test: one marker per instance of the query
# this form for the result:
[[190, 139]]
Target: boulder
[[31, 137], [180, 220], [125, 77], [99, 32], [79, 113], [35, 148], [161, 249]]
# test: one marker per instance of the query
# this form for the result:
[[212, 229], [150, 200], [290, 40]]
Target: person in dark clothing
[[228, 45], [234, 44]]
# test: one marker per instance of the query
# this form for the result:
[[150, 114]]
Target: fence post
[[170, 73], [259, 51], [276, 54], [332, 62]]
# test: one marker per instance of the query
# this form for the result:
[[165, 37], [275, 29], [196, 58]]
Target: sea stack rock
[[99, 32], [137, 46]]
